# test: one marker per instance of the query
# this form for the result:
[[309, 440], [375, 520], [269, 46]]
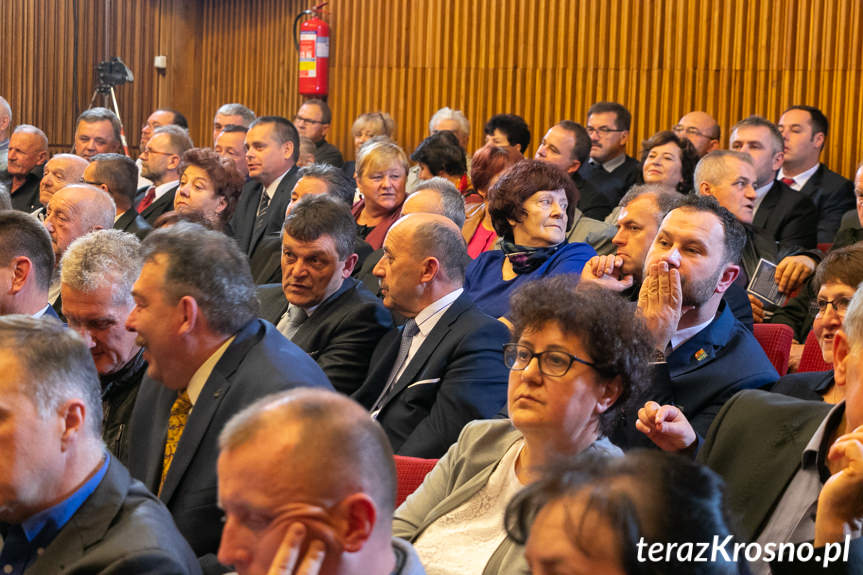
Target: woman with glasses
[[837, 278], [532, 206], [574, 362]]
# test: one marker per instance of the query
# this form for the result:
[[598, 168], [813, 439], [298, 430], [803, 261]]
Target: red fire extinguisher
[[313, 46]]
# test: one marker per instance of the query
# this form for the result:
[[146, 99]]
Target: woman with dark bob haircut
[[669, 161], [597, 512], [209, 186], [574, 361], [532, 206]]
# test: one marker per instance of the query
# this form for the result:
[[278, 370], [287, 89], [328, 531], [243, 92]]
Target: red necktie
[[788, 182], [148, 199]]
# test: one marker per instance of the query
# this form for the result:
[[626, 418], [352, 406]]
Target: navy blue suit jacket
[[456, 376], [259, 362], [833, 195], [162, 205]]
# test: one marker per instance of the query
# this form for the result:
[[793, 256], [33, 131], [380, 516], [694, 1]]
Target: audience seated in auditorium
[[272, 148], [60, 171], [576, 361], [835, 282], [67, 505], [788, 216], [313, 122], [26, 266], [331, 508], [5, 125], [532, 207], [117, 175], [209, 356], [231, 145], [381, 170], [231, 115], [364, 128], [155, 120], [807, 457], [703, 354], [160, 163], [209, 185], [96, 279], [507, 131], [668, 160], [28, 152], [487, 165], [602, 513], [804, 131], [443, 368], [98, 131], [441, 155], [444, 119], [318, 306], [609, 169], [701, 130]]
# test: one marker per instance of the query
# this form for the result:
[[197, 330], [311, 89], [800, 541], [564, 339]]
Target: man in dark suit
[[66, 504], [789, 217], [609, 169], [800, 480], [272, 149], [117, 175], [28, 152], [27, 260], [318, 306], [313, 122], [804, 130], [444, 367], [195, 316], [160, 163]]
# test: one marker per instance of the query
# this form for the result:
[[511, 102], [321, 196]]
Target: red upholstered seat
[[410, 472], [811, 359], [776, 340]]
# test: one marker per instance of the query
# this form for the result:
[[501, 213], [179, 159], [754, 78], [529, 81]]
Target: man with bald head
[[701, 130], [350, 534], [443, 367], [60, 171], [28, 152], [5, 124]]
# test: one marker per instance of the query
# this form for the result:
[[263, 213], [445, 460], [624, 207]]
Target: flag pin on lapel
[[700, 354]]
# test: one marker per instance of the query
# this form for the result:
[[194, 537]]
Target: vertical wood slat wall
[[543, 59]]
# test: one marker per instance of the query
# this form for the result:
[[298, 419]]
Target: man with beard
[[161, 165], [703, 354]]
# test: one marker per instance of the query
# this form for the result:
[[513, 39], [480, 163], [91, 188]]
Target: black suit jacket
[[832, 195], [456, 376], [132, 223], [342, 332], [260, 361], [808, 385], [26, 197], [120, 528], [592, 203], [243, 220], [266, 261], [789, 217], [163, 204]]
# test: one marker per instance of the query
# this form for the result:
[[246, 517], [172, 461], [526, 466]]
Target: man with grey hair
[[5, 124], [318, 306], [339, 507], [209, 356], [117, 175], [60, 171], [231, 115], [452, 121], [26, 265], [28, 152], [67, 505], [160, 163], [443, 367], [96, 278], [98, 131], [800, 482], [5, 198]]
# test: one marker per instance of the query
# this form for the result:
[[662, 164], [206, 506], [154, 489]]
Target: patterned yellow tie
[[176, 423]]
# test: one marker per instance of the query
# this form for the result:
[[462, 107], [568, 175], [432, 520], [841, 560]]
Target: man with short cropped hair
[[318, 306], [443, 367], [98, 131], [231, 144], [332, 506], [231, 115], [66, 504], [804, 131], [160, 163], [159, 118], [28, 152], [701, 130], [60, 171], [26, 266], [609, 169], [313, 122], [208, 356], [117, 175]]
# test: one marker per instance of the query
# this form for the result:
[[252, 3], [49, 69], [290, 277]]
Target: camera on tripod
[[112, 73]]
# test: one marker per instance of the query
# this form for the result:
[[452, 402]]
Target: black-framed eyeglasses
[[840, 305], [307, 120], [602, 130], [554, 363]]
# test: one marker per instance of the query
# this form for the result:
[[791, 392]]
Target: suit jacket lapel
[[309, 328], [161, 203], [768, 204], [125, 220]]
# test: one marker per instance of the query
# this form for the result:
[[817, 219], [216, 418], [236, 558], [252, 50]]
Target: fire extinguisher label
[[308, 68], [323, 47]]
